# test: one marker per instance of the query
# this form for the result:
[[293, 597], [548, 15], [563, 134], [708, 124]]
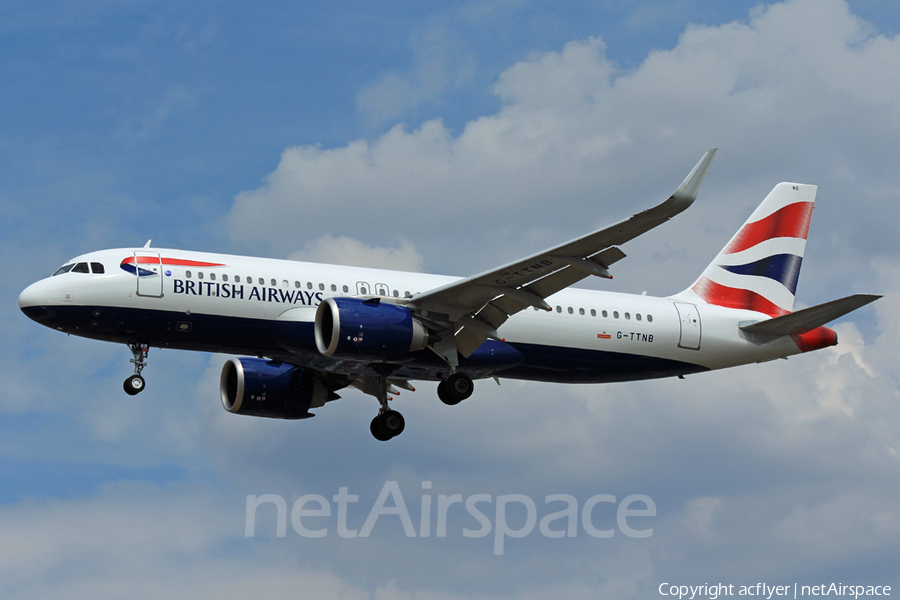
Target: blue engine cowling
[[263, 388], [369, 330]]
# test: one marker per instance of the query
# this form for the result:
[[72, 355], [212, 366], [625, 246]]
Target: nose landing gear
[[135, 384]]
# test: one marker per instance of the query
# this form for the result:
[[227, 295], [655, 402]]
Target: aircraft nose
[[30, 296], [34, 302]]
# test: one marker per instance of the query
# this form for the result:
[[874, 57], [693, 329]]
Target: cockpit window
[[63, 269], [81, 267]]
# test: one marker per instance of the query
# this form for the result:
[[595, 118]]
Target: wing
[[465, 313]]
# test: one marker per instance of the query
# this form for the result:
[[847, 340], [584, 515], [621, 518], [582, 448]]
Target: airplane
[[302, 331]]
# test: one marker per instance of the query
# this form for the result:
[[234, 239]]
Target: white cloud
[[141, 541], [578, 143], [347, 251], [439, 64]]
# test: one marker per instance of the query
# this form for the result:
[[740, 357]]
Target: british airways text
[[239, 292]]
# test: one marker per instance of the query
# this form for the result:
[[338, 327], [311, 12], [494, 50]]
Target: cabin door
[[148, 268], [689, 319]]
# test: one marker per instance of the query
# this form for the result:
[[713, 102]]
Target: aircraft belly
[[574, 365], [239, 335]]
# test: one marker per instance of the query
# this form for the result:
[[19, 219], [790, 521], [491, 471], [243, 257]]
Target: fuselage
[[265, 307]]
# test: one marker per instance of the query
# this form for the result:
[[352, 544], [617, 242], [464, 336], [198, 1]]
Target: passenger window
[[274, 282], [558, 309], [212, 276], [309, 285], [346, 289], [296, 284], [407, 295], [322, 287], [593, 312], [396, 294], [649, 318], [570, 310], [285, 283], [81, 268], [199, 274], [64, 269], [187, 274], [615, 314], [97, 268], [262, 281], [581, 311], [638, 316], [605, 314], [224, 277], [627, 316]]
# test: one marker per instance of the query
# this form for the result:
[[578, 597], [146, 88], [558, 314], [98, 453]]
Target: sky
[[447, 138]]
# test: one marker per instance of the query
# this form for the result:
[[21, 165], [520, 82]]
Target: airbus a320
[[307, 331]]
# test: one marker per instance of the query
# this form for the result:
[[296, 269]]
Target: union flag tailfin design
[[759, 267]]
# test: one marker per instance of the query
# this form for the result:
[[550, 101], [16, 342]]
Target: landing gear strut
[[388, 423], [455, 388], [135, 384]]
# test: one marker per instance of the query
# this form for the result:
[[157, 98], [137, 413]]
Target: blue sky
[[446, 139]]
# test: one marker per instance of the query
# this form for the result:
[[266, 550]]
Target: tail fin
[[759, 267]]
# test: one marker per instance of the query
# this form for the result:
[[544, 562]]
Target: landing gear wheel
[[376, 431], [444, 395], [134, 385], [391, 423], [455, 389]]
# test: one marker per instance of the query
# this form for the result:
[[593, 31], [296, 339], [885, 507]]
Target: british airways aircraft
[[309, 330]]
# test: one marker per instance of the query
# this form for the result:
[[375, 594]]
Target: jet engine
[[367, 330], [267, 388]]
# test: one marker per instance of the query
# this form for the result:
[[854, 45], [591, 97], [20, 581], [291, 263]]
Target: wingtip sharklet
[[687, 192]]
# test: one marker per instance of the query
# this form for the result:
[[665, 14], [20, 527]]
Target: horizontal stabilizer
[[810, 318]]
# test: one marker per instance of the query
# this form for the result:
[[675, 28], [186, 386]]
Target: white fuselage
[[236, 304]]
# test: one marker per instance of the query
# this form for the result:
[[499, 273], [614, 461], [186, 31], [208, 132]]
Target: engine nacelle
[[369, 330], [264, 388]]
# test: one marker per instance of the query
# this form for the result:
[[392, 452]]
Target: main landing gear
[[135, 384], [455, 388], [388, 423]]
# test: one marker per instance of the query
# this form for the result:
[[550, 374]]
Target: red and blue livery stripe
[[729, 297], [750, 273], [783, 268], [132, 264], [791, 221]]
